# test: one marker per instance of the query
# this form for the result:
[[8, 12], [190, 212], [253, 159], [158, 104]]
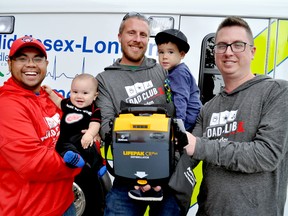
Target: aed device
[[143, 145]]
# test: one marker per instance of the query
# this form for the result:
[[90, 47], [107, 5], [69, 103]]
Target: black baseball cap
[[174, 36]]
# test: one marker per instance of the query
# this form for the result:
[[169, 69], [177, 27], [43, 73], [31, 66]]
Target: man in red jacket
[[34, 179]]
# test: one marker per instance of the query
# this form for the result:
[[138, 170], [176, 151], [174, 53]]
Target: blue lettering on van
[[63, 93], [64, 45], [5, 43], [84, 46]]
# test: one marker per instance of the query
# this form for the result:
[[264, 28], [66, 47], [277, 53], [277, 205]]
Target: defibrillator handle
[[145, 110], [141, 109]]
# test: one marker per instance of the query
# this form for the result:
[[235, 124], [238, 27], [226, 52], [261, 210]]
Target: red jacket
[[34, 180]]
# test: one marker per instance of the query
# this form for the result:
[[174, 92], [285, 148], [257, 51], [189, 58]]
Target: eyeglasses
[[168, 90], [26, 60], [133, 14], [236, 47]]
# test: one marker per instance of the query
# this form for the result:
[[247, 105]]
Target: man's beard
[[133, 58]]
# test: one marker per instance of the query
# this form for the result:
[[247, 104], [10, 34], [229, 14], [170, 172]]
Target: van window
[[210, 80]]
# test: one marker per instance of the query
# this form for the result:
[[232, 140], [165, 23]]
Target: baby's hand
[[48, 89], [97, 138], [87, 140]]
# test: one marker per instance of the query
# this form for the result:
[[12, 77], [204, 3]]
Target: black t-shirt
[[76, 119]]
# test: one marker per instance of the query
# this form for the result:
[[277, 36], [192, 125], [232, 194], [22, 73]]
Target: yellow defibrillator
[[143, 145]]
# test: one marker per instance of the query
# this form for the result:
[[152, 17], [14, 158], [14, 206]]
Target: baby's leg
[[73, 159]]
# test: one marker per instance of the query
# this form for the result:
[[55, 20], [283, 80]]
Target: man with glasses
[[236, 47], [34, 178], [242, 133], [135, 79]]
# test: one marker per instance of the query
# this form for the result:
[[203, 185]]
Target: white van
[[81, 36]]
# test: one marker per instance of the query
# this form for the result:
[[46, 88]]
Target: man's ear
[[9, 64], [119, 37], [253, 51]]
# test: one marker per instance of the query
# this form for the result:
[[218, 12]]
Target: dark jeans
[[71, 211], [118, 203]]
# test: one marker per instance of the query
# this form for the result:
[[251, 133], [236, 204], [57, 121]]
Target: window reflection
[[210, 79]]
